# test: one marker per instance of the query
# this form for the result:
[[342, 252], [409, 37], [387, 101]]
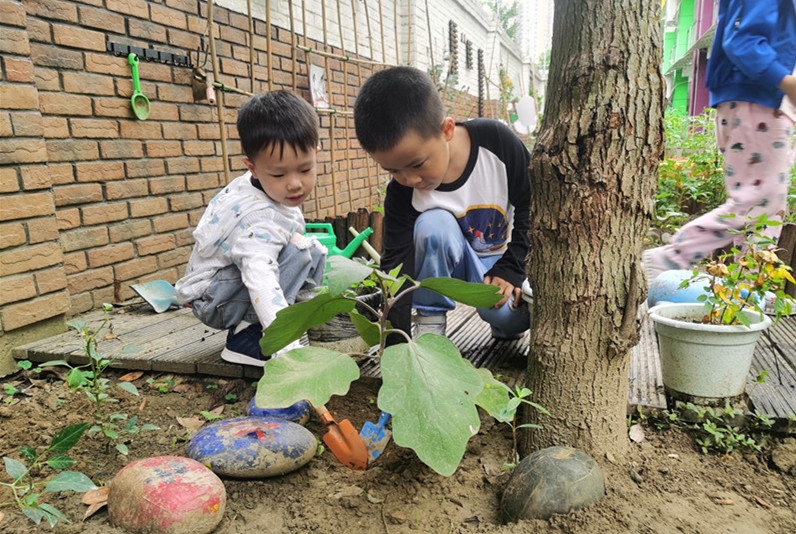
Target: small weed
[[24, 486], [210, 416], [230, 397], [212, 386], [162, 385]]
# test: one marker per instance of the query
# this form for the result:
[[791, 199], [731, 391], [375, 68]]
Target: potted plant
[[706, 347]]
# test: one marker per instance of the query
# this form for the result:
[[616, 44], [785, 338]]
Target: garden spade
[[376, 436], [139, 102], [343, 440], [158, 293]]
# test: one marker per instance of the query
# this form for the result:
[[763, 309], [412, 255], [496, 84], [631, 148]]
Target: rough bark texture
[[593, 175]]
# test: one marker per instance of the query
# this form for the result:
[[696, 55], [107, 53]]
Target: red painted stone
[[166, 495]]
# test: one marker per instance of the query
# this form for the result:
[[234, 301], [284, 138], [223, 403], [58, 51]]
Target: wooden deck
[[175, 342]]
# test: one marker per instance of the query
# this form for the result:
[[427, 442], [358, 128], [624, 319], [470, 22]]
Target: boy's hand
[[506, 289]]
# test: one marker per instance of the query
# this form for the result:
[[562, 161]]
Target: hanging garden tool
[[343, 440], [138, 100]]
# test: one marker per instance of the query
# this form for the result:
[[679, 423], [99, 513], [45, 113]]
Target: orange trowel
[[343, 440]]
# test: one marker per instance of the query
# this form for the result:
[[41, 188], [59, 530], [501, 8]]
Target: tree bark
[[593, 176]]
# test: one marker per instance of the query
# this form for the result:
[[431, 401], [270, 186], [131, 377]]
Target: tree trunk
[[593, 175]]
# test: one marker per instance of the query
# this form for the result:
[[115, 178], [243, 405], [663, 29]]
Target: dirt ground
[[673, 487]]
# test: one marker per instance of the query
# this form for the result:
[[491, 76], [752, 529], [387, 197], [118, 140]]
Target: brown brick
[[45, 55], [30, 258], [111, 254], [140, 129], [14, 41], [213, 166], [68, 218], [9, 180], [178, 130], [19, 70], [100, 171], [197, 113], [51, 280], [130, 230], [185, 237], [41, 230], [126, 189], [64, 104], [112, 107], [145, 167], [75, 262], [235, 68], [53, 9], [27, 123], [55, 127], [76, 37], [174, 257], [62, 173], [17, 151], [90, 84], [186, 202], [80, 303], [16, 288], [71, 150], [209, 131], [39, 31], [35, 177], [200, 182], [199, 148], [27, 205], [12, 13], [163, 111], [168, 223], [36, 310], [147, 207], [135, 268], [154, 244], [155, 72], [182, 165], [183, 40], [166, 184], [104, 213], [87, 280], [13, 235], [6, 130], [94, 128], [136, 8], [188, 6], [168, 17], [142, 29], [14, 96], [163, 149], [121, 149], [46, 79], [99, 18], [175, 93], [83, 238], [107, 64]]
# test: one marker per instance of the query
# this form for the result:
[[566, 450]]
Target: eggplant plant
[[430, 390]]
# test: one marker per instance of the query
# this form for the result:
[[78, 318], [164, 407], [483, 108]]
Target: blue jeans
[[441, 250], [226, 301]]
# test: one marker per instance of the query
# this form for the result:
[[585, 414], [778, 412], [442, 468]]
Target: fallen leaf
[[142, 405], [96, 496], [110, 336], [191, 423], [93, 509], [474, 520], [217, 411], [723, 502], [636, 433], [182, 388], [373, 500], [761, 502], [129, 377]]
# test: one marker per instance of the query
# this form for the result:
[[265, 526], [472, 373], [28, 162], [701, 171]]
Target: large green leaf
[[291, 322], [60, 461], [14, 468], [476, 295], [343, 273], [66, 438], [430, 392], [311, 373], [368, 331], [69, 481], [495, 395]]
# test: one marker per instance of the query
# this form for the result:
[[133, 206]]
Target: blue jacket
[[753, 50]]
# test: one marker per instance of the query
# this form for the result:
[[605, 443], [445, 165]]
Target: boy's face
[[417, 162], [288, 178]]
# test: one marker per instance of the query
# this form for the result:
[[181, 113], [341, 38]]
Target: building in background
[[688, 28]]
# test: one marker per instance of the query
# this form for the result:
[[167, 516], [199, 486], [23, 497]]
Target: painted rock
[[166, 495], [551, 481], [298, 413], [666, 288], [253, 447]]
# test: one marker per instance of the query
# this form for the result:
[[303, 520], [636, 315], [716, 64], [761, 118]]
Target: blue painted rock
[[253, 447], [666, 288], [166, 495], [551, 481], [298, 413]]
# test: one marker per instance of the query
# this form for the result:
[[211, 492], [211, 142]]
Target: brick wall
[[93, 200]]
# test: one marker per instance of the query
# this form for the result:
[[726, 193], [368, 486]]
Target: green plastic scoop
[[139, 101]]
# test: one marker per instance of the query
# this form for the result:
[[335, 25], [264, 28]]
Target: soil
[[666, 486]]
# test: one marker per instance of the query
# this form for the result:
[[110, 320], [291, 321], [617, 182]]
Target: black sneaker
[[244, 346]]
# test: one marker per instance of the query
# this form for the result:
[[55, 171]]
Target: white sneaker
[[430, 324]]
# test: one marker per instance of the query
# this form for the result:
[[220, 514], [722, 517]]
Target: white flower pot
[[703, 363]]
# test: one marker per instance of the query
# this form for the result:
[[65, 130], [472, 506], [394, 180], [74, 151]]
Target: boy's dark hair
[[275, 119], [393, 102]]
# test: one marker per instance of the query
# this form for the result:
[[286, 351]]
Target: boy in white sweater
[[250, 258]]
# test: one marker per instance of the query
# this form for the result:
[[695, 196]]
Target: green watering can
[[324, 233]]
